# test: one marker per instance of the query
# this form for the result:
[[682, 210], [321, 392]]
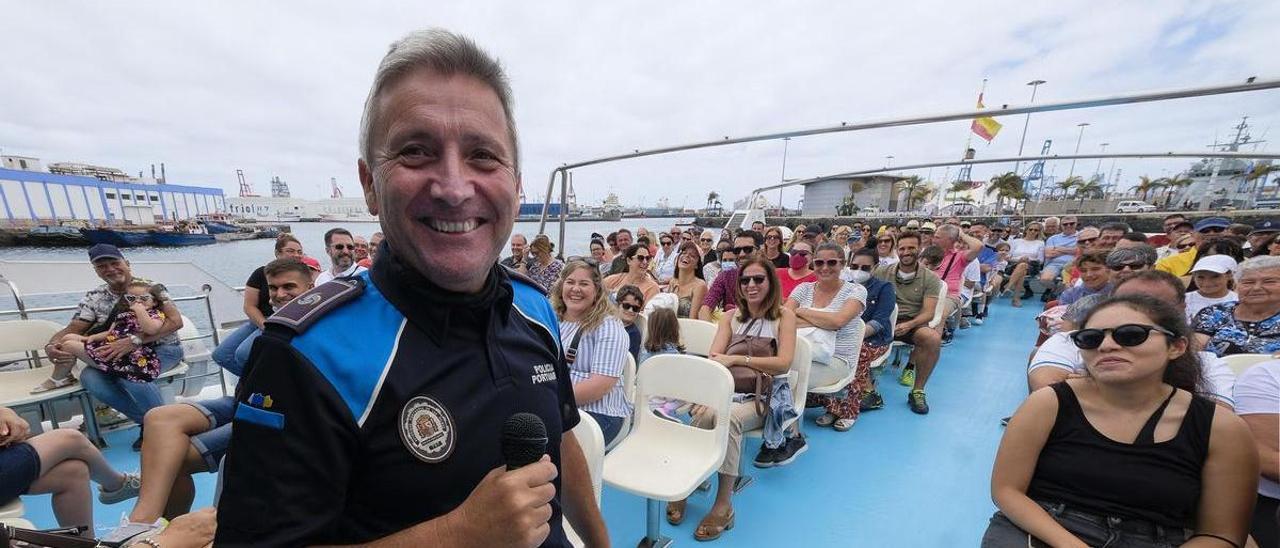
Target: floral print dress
[[140, 365]]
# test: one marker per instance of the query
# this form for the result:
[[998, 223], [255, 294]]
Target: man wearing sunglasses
[[721, 295], [1174, 231], [1059, 357], [916, 293], [1059, 251], [1206, 230], [341, 247]]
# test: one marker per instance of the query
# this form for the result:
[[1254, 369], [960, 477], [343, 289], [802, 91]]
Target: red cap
[[314, 264]]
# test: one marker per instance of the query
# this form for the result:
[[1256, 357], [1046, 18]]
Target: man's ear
[[367, 186]]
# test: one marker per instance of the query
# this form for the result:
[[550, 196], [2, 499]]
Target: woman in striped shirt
[[595, 344]]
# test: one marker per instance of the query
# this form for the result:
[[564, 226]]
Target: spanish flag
[[986, 126]]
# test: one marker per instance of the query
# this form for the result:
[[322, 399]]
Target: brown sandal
[[675, 512], [712, 526]]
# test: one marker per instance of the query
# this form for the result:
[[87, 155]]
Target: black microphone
[[524, 440]]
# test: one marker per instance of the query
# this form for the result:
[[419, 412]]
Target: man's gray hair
[[1254, 264], [448, 54], [951, 232]]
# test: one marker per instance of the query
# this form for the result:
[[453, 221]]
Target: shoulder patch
[[303, 311], [518, 278]]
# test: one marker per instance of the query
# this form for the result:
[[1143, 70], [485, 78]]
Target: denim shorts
[[1093, 529], [212, 443], [169, 355], [19, 468]]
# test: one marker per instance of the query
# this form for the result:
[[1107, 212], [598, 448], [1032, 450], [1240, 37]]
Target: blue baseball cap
[[1212, 222], [104, 251], [1266, 226]]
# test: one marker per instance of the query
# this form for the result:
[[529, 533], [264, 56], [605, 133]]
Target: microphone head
[[524, 440]]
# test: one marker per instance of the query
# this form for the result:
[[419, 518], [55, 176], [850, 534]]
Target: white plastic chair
[[664, 460], [801, 362], [835, 376], [629, 392], [642, 323], [697, 336], [1239, 363], [933, 324], [893, 322], [12, 509], [591, 439], [23, 339]]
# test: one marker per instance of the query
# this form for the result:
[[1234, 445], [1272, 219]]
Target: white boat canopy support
[[28, 278], [1250, 84]]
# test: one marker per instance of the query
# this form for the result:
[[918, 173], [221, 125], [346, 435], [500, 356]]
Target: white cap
[[1215, 263]]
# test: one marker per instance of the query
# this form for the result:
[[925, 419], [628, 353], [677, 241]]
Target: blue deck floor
[[895, 479]]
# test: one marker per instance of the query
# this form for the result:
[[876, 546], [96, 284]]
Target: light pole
[[888, 161], [1026, 122], [786, 143], [1079, 138], [1098, 169]]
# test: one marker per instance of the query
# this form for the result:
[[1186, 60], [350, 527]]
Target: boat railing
[[563, 171]]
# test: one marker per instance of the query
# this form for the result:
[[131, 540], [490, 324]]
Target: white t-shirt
[[1257, 392], [1196, 301], [328, 275], [1059, 352], [972, 273], [1031, 249]]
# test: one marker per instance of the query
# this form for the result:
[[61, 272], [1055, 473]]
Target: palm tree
[[1258, 175], [1086, 189], [921, 194], [956, 188], [909, 186], [1007, 186], [1067, 184], [1172, 184], [856, 186], [1146, 185]]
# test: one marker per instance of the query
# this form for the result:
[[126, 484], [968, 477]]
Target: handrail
[[1250, 84]]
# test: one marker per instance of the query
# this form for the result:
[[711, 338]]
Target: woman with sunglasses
[[798, 271], [1252, 325], [1026, 258], [688, 285], [758, 318], [886, 248], [637, 272], [832, 304], [544, 268], [595, 343], [1129, 454], [773, 248]]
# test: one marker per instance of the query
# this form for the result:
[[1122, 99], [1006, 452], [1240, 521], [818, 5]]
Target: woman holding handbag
[[756, 342]]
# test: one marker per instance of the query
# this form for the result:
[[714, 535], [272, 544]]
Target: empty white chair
[[1240, 362], [664, 460], [628, 392], [591, 439], [24, 339], [801, 362], [697, 336]]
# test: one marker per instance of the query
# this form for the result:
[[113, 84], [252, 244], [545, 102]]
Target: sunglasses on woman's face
[[1131, 334], [747, 280], [630, 307], [884, 241], [641, 258], [137, 298], [827, 263], [705, 240], [1086, 241], [862, 267]]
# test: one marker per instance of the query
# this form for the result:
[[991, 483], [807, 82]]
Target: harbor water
[[232, 262]]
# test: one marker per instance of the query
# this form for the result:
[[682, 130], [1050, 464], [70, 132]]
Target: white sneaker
[[133, 531], [129, 489]]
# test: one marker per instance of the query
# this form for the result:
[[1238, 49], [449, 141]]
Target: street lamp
[[1079, 138], [888, 161], [1034, 84], [786, 142], [1098, 170]]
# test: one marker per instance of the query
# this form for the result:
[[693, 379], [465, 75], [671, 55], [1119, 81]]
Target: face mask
[[728, 265], [798, 262], [907, 276], [857, 235], [861, 276]]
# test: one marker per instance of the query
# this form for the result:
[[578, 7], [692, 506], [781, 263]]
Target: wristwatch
[[136, 340]]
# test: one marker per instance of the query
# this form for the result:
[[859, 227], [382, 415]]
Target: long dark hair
[[1183, 372], [772, 299]]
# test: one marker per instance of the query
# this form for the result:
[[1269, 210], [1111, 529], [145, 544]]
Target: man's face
[[1094, 275], [745, 248], [341, 251], [443, 177], [1051, 227], [624, 240], [286, 286], [518, 244], [908, 251], [1170, 223], [979, 231], [1109, 238], [1179, 232], [757, 226], [1069, 226], [114, 272], [362, 248]]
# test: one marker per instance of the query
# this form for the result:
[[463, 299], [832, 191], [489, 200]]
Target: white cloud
[[276, 88]]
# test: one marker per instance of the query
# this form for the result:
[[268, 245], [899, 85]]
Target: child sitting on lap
[[138, 314]]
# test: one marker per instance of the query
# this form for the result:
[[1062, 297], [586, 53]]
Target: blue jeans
[[609, 426], [233, 352], [212, 443], [1093, 529], [133, 399]]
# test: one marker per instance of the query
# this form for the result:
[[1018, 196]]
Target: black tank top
[[1154, 482]]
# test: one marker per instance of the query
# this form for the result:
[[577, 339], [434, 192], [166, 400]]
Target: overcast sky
[[276, 88]]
